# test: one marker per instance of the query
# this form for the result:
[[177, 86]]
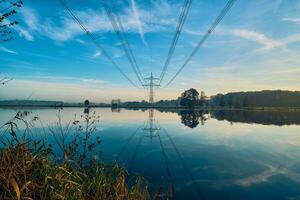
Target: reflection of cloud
[[262, 177]]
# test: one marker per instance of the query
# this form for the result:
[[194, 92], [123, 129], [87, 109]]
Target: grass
[[27, 174], [29, 170]]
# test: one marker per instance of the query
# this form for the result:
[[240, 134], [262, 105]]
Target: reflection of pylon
[[151, 127], [151, 85]]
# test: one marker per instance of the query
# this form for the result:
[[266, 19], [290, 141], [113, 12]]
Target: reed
[[29, 169], [30, 174]]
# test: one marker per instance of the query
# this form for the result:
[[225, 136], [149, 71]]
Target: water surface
[[195, 155]]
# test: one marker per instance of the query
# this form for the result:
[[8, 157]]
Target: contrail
[[138, 21]]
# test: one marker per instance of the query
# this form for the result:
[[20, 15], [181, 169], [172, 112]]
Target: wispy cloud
[[97, 54], [70, 79], [267, 43], [293, 20], [193, 32], [139, 23], [135, 20], [80, 41], [24, 33], [4, 49]]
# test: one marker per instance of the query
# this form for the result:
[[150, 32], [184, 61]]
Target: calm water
[[196, 155]]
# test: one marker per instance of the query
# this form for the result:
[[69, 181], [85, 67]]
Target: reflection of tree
[[191, 118], [115, 109], [260, 117]]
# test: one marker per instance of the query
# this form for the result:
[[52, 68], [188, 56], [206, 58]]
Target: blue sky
[[255, 47]]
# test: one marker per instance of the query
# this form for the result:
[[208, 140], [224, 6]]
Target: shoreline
[[295, 109]]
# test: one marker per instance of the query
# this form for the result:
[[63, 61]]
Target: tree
[[190, 98]]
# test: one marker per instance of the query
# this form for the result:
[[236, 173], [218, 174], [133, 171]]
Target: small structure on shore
[[115, 103], [86, 107]]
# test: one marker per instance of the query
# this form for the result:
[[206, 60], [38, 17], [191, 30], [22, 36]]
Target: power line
[[94, 40], [17, 4], [204, 38], [184, 12], [119, 30], [127, 43]]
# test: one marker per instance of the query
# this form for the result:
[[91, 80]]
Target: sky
[[255, 47]]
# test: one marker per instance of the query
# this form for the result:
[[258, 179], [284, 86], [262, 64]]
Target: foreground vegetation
[[26, 174], [29, 169]]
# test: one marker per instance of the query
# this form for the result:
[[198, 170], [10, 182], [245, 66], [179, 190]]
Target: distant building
[[115, 103]]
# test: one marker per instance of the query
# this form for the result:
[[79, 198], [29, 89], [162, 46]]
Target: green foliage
[[29, 174], [189, 98], [266, 98], [28, 170]]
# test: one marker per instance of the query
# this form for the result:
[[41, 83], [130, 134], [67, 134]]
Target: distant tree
[[86, 103], [190, 98], [266, 98], [7, 24]]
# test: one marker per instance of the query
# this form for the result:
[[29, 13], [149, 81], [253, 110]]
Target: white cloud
[[134, 20], [4, 49], [70, 78], [80, 41], [293, 20], [24, 33], [97, 54], [267, 43], [30, 17], [260, 38]]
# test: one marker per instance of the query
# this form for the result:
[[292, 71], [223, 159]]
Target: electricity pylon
[[151, 127], [151, 85]]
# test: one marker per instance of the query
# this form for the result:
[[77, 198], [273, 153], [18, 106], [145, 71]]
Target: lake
[[193, 154]]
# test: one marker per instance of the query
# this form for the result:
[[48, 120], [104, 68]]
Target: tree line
[[265, 98]]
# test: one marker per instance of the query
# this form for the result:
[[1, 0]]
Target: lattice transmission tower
[[151, 86]]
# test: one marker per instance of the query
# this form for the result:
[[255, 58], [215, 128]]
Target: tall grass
[[30, 174], [28, 169]]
